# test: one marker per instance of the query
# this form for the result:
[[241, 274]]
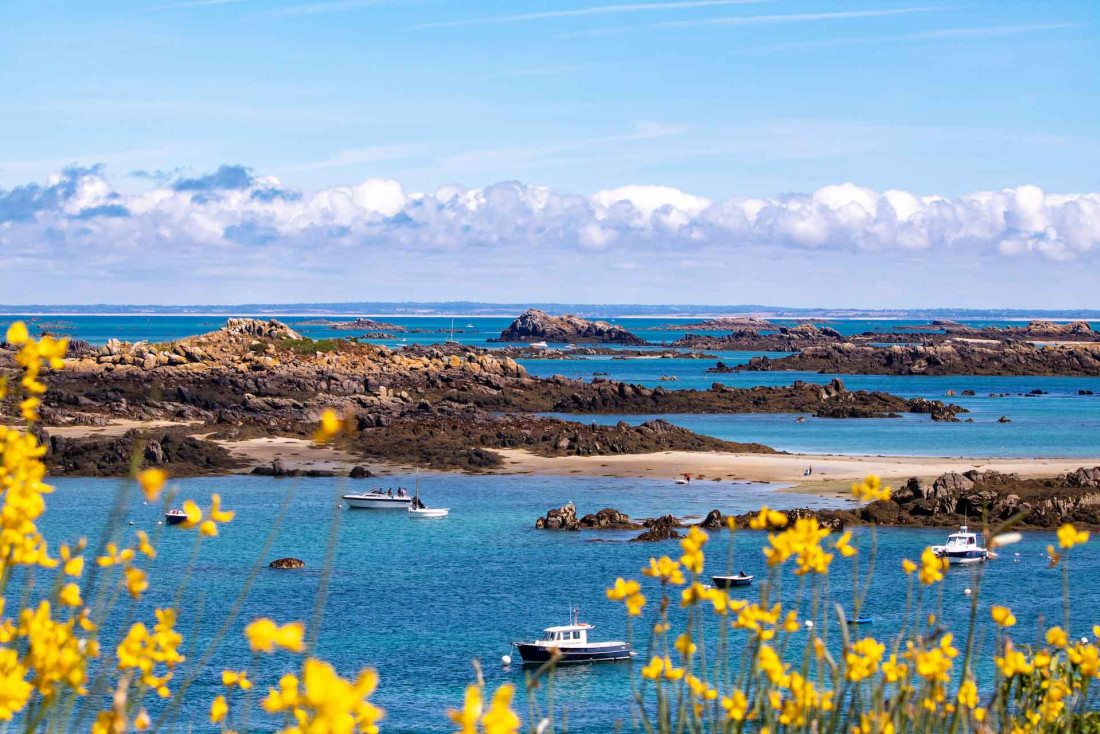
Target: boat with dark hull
[[569, 643], [726, 582], [175, 517]]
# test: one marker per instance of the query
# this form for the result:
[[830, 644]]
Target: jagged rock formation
[[948, 358], [565, 518], [535, 325]]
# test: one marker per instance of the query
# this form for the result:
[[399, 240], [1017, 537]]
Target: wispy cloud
[[196, 4], [360, 156], [591, 10], [331, 6], [770, 19], [945, 34], [999, 30], [535, 71]]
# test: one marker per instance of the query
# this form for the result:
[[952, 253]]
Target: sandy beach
[[832, 474]]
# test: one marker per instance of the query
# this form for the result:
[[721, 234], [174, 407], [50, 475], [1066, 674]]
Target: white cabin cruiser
[[376, 499], [962, 547]]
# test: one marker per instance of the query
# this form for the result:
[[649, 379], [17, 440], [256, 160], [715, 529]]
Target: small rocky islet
[[442, 407]]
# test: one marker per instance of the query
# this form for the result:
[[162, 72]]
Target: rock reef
[[948, 358]]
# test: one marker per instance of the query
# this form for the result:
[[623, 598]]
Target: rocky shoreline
[[948, 501], [442, 407]]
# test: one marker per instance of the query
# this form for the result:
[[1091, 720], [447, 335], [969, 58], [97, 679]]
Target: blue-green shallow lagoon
[[420, 600]]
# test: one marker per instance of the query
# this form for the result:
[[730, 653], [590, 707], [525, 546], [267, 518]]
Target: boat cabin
[[962, 540], [568, 634]]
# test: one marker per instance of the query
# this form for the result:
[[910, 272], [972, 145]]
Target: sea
[[422, 601]]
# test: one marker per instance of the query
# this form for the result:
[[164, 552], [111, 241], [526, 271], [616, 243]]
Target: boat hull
[[428, 512], [964, 557], [532, 654], [726, 582], [358, 502], [174, 519]]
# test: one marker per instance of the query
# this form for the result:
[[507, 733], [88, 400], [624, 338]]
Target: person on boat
[[390, 492]]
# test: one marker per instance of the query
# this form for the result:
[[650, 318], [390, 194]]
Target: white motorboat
[[539, 345], [962, 547], [376, 499], [417, 508]]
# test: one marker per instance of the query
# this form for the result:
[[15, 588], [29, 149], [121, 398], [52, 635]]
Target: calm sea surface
[[420, 600]]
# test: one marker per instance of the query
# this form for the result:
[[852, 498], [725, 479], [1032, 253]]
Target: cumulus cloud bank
[[233, 220], [232, 207]]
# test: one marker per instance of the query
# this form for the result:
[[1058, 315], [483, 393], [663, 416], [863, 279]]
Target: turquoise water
[[1059, 422], [420, 600]]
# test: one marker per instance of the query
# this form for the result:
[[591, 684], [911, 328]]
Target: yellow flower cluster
[[803, 542], [322, 701], [143, 651], [628, 592], [473, 718], [870, 489]]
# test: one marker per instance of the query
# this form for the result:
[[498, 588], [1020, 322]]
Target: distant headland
[[470, 309]]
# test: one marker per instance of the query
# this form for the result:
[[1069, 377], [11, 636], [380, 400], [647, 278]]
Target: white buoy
[[966, 591], [131, 522], [809, 624], [1084, 640], [505, 660]]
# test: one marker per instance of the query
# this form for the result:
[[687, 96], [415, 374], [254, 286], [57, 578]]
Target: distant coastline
[[470, 310]]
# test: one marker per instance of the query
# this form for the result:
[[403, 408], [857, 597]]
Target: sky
[[800, 152]]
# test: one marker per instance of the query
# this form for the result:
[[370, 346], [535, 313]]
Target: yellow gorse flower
[[693, 550], [331, 426], [870, 489], [767, 518], [1069, 536], [843, 545], [862, 659], [628, 592], [1002, 616], [931, 567], [665, 569], [803, 542], [152, 481], [264, 636], [499, 719]]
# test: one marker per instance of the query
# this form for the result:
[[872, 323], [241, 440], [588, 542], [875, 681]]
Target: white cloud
[[79, 222]]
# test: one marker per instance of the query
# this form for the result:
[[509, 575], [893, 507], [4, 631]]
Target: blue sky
[[719, 99]]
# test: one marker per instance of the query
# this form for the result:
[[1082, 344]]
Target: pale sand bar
[[831, 473]]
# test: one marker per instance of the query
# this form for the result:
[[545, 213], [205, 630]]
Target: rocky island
[[534, 325]]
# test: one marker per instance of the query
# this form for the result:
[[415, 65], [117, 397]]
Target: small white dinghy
[[417, 508]]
